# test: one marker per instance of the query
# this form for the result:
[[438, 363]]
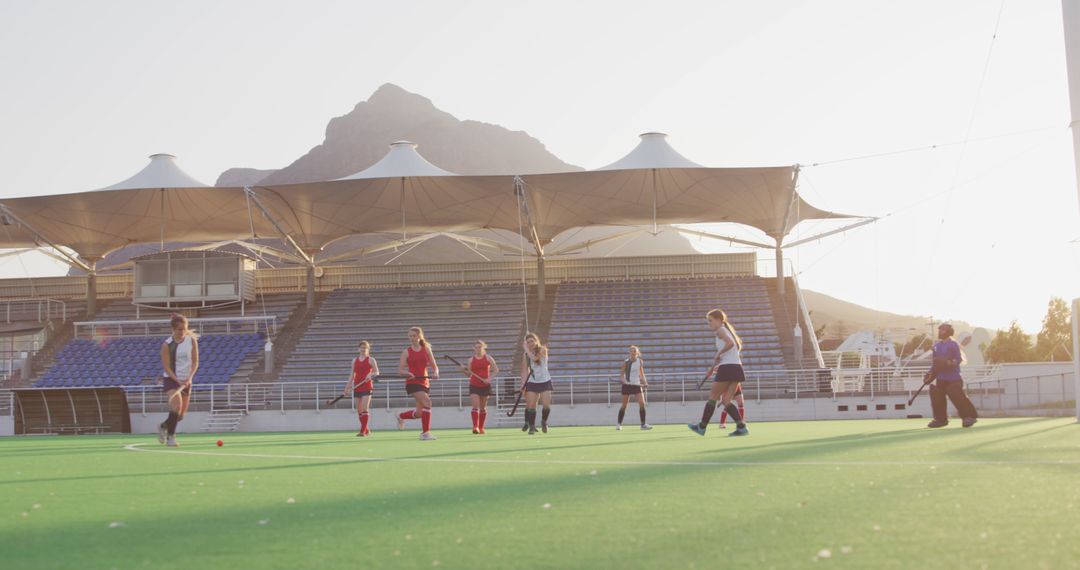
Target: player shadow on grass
[[787, 450]]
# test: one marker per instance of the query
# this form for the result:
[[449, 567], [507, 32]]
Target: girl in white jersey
[[537, 384], [179, 361], [633, 381], [727, 374]]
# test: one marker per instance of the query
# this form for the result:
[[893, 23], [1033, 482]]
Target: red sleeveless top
[[360, 371], [417, 361], [480, 367]]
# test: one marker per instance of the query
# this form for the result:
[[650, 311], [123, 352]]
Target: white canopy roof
[[402, 161], [405, 194], [162, 172], [652, 152]]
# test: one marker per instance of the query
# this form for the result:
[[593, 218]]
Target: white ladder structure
[[224, 420]]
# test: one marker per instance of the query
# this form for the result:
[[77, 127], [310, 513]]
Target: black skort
[[730, 373], [411, 389], [480, 390], [538, 387], [631, 389], [361, 394], [170, 385]]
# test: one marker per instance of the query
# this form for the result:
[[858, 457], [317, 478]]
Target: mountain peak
[[359, 138]]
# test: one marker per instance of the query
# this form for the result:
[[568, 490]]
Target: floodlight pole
[[1070, 12]]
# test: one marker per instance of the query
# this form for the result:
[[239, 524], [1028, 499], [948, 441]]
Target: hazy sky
[[978, 231]]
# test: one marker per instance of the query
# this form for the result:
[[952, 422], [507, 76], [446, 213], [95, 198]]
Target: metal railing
[[221, 325], [43, 309], [1035, 392], [1040, 392], [454, 392], [874, 381]]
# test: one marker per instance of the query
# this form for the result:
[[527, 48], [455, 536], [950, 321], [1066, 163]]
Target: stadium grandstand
[[281, 310]]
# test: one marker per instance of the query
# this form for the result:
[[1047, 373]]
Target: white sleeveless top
[[181, 359], [540, 373], [633, 372], [731, 356]]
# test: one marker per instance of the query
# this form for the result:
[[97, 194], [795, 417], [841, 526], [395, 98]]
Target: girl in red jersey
[[482, 368], [415, 362], [364, 367]]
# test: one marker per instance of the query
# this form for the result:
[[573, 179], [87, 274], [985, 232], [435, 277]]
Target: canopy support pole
[[541, 283], [7, 216], [832, 232], [309, 261], [1070, 15], [91, 292], [780, 286]]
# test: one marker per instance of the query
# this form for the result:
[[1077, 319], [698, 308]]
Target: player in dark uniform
[[945, 373]]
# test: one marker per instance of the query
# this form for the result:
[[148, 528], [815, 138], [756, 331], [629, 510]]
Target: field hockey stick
[[707, 376], [926, 382], [463, 368], [521, 392], [352, 385]]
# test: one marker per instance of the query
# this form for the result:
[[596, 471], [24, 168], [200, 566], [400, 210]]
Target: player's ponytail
[[720, 315]]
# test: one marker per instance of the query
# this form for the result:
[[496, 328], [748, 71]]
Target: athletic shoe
[[937, 424], [171, 442], [618, 427], [476, 431], [532, 430], [696, 429], [525, 427], [367, 432], [723, 426], [739, 432], [400, 423], [360, 434], [543, 428], [162, 433], [968, 422], [646, 426], [427, 436]]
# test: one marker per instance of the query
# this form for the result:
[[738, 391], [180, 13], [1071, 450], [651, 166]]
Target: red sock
[[475, 418], [425, 419], [483, 418], [363, 422], [742, 412], [723, 417], [408, 415]]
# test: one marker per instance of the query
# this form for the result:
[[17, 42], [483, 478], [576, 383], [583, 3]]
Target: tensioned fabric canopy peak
[[651, 185]]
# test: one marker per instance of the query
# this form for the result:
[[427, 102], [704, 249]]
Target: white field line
[[138, 447]]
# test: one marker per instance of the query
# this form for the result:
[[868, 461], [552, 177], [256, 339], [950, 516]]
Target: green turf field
[[853, 494]]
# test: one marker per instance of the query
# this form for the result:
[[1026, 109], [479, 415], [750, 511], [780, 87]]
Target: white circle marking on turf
[[138, 447]]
